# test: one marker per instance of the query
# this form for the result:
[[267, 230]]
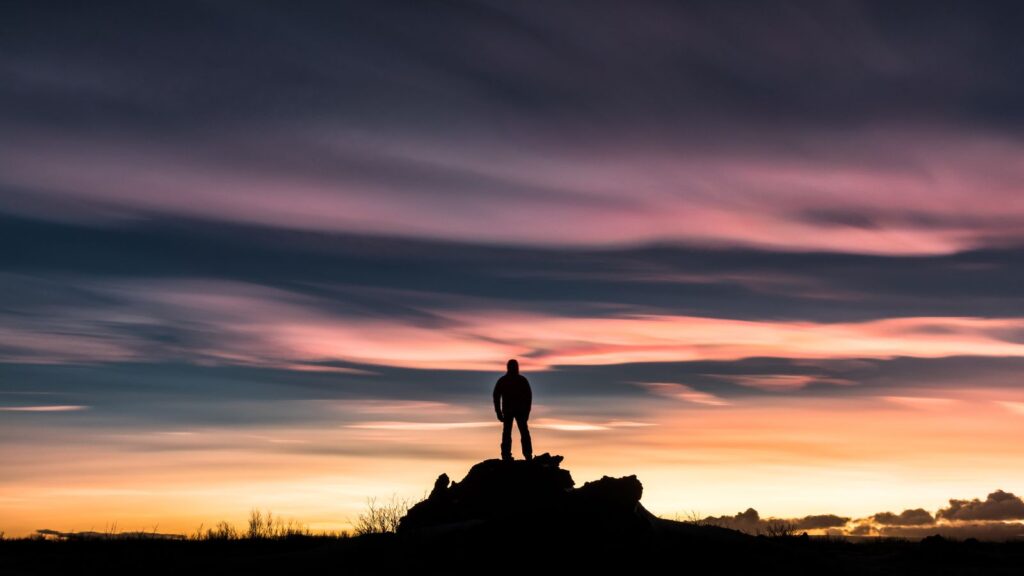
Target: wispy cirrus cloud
[[1013, 406], [871, 207], [881, 142], [201, 320], [683, 392], [44, 408], [419, 426]]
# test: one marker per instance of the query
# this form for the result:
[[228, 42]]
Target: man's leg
[[524, 435], [506, 438]]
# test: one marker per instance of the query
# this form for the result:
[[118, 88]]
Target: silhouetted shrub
[[222, 531], [779, 529], [693, 518], [381, 518], [259, 525], [266, 525]]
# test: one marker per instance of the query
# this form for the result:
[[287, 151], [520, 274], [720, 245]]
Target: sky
[[274, 255]]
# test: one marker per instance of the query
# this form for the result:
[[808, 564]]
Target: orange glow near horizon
[[694, 450], [782, 453], [809, 456]]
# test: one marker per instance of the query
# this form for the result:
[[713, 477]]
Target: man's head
[[513, 366]]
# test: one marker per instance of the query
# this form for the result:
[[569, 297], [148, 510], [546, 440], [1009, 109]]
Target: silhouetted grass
[[262, 526], [693, 518]]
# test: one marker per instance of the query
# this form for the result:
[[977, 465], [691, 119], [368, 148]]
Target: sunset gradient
[[253, 256]]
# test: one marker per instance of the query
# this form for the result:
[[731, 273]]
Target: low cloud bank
[[997, 517]]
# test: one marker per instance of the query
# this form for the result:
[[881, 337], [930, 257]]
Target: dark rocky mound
[[531, 492]]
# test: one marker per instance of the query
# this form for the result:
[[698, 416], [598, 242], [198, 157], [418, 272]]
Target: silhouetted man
[[512, 399]]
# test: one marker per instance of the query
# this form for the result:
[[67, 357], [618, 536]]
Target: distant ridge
[[91, 535]]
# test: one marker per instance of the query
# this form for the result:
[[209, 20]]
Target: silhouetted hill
[[534, 491]]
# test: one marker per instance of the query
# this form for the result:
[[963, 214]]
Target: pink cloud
[[48, 408], [420, 426], [1012, 406], [781, 381], [895, 192], [59, 344], [568, 425], [923, 402], [254, 325], [684, 392]]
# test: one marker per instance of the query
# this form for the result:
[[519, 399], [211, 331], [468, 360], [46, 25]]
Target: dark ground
[[522, 550]]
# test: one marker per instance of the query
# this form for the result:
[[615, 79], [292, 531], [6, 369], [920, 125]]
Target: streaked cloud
[[885, 141], [1015, 407], [419, 426], [872, 207], [45, 408], [683, 392], [923, 402], [203, 320], [784, 381], [569, 426]]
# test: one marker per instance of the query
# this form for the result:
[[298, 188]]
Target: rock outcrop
[[530, 492]]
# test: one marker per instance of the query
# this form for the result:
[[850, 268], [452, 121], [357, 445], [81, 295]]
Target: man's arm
[[529, 395], [497, 401]]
